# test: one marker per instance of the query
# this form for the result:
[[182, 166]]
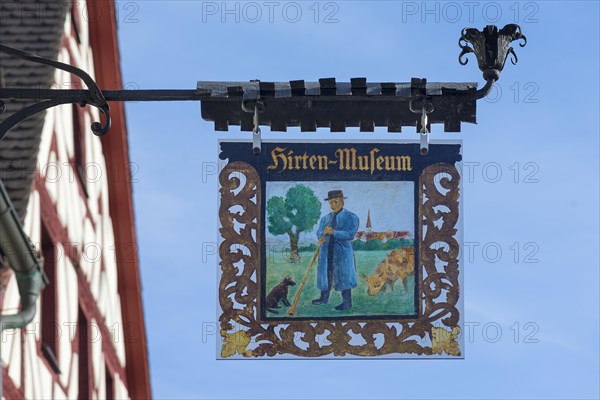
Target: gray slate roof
[[36, 27]]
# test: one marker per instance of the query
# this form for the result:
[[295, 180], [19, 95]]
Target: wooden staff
[[292, 310]]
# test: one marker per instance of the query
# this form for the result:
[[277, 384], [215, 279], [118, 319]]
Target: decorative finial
[[491, 47]]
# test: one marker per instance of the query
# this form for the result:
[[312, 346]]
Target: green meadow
[[396, 302]]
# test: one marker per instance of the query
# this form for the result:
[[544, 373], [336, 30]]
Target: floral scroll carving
[[439, 209]]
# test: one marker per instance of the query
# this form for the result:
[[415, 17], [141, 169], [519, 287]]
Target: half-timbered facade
[[72, 191]]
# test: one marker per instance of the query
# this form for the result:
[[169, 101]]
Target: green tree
[[358, 245], [374, 245], [298, 212]]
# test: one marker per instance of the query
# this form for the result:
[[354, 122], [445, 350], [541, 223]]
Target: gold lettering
[[323, 162], [312, 160], [347, 159], [298, 160], [372, 159], [380, 161], [363, 163], [404, 163], [276, 154], [389, 163]]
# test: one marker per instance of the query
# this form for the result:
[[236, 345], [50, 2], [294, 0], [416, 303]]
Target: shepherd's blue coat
[[344, 268]]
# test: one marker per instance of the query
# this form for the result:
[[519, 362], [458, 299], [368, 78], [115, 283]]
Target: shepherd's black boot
[[323, 299], [346, 300]]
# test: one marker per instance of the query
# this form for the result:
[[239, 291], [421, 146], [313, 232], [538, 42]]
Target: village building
[[368, 234], [72, 193]]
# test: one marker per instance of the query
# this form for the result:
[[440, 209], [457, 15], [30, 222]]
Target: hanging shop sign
[[328, 249], [340, 250]]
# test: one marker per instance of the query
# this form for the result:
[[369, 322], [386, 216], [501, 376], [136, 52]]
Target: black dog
[[279, 293]]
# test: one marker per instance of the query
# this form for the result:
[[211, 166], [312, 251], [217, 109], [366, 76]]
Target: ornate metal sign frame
[[434, 332]]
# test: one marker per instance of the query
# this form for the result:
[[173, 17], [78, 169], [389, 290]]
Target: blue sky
[[531, 194]]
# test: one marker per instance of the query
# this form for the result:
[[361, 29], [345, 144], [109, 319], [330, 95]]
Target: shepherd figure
[[336, 268]]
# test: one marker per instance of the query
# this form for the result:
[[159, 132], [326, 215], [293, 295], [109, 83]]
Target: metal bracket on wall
[[326, 104], [93, 96]]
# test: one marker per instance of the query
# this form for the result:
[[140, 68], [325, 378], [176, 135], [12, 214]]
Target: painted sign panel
[[340, 250]]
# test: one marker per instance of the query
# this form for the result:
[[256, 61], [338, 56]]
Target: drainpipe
[[26, 264]]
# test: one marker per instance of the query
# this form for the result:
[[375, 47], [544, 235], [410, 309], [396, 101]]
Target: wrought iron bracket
[[93, 95], [491, 47]]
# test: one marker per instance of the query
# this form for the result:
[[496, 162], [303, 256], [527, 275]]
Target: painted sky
[[530, 185], [391, 203]]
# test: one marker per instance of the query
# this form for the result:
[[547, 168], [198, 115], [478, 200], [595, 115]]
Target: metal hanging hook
[[426, 106], [256, 138], [424, 132]]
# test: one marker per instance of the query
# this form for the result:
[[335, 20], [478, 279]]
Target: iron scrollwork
[[491, 47], [93, 95]]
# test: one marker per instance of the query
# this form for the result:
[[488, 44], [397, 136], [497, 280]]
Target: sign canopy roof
[[336, 105]]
